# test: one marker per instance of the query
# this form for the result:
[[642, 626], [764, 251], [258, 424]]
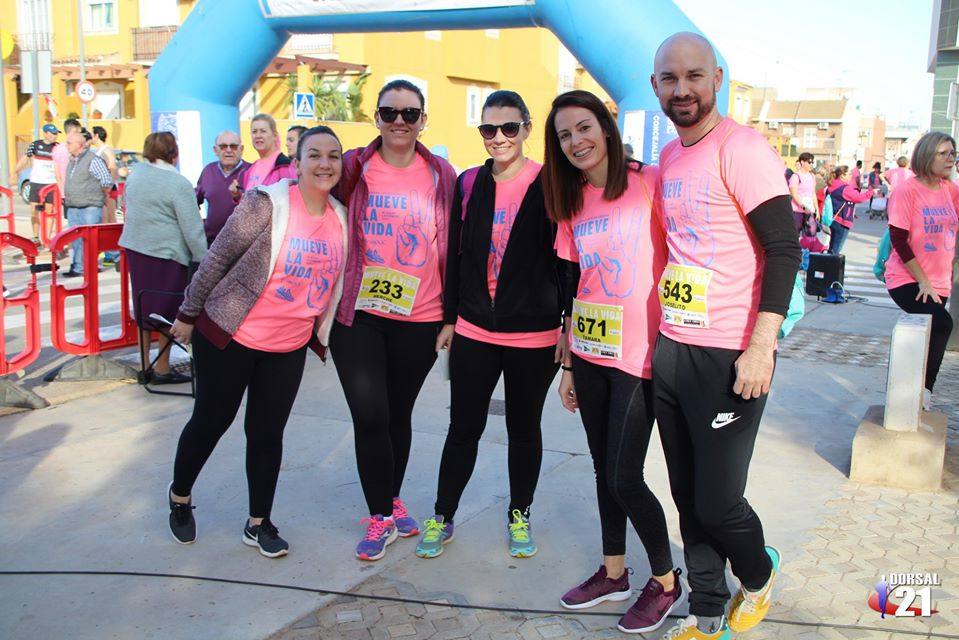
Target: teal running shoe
[[521, 543], [436, 533]]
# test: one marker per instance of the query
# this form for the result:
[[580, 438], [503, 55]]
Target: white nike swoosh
[[719, 425]]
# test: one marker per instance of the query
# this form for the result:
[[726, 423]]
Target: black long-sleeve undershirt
[[772, 223]]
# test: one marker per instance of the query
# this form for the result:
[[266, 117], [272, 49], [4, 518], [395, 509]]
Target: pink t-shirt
[[897, 175], [929, 215], [399, 233], [509, 197], [61, 158], [299, 289], [621, 252], [805, 184], [261, 172], [715, 265]]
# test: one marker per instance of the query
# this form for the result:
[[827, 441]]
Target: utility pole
[[36, 70], [4, 157], [83, 61]]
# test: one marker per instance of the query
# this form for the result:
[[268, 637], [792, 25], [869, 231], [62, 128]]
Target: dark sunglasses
[[509, 129], [410, 114], [232, 146]]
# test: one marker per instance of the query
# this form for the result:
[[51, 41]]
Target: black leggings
[[475, 368], [382, 364], [905, 297], [271, 381], [617, 412]]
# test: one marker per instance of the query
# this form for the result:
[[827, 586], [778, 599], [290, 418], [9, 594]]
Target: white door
[[159, 13], [109, 100]]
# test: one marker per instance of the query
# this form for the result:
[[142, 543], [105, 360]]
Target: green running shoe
[[521, 543], [436, 533]]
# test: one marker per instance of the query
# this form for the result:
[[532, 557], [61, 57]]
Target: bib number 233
[[682, 295], [387, 290]]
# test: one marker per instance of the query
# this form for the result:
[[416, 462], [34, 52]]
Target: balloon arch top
[[224, 45]]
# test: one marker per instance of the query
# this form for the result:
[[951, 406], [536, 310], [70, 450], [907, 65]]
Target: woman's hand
[[445, 337], [562, 350], [181, 331], [567, 392], [235, 190], [926, 291]]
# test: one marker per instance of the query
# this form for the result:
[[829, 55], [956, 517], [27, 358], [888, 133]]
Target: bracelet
[[565, 368]]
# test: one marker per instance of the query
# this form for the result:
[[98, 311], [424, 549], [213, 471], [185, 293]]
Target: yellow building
[[122, 38]]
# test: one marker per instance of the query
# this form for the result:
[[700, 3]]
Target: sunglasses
[[509, 129], [224, 147], [410, 114]]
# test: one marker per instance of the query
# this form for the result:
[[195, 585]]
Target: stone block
[[905, 459], [908, 352]]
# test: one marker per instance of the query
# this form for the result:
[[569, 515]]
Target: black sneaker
[[182, 524], [266, 537], [72, 274]]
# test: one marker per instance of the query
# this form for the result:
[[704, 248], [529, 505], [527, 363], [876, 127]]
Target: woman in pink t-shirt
[[802, 190], [384, 338], [272, 165], [610, 228], [266, 290], [845, 197], [502, 312], [922, 229]]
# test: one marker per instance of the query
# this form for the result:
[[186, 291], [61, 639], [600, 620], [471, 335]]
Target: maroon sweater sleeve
[[900, 243]]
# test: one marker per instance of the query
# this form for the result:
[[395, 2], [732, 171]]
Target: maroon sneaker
[[652, 607], [598, 588]]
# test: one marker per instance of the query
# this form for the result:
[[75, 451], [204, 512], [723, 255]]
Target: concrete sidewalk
[[85, 491]]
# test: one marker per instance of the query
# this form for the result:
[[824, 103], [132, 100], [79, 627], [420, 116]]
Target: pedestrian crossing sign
[[303, 105]]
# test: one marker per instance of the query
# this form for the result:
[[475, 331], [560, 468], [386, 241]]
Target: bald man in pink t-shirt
[[733, 257]]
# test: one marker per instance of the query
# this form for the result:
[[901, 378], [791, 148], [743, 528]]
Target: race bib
[[597, 329], [682, 295], [387, 290]]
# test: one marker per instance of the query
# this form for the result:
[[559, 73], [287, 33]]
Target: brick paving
[[864, 532]]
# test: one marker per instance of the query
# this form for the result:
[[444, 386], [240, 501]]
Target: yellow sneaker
[[748, 609], [686, 629]]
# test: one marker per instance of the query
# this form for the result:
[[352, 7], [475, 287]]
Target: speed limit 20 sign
[[86, 92]]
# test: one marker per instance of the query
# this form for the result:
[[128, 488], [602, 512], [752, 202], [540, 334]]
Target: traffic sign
[[86, 92], [304, 105]]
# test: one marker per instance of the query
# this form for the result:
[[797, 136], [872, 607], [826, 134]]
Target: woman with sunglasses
[[610, 227], [922, 230], [383, 340], [502, 313]]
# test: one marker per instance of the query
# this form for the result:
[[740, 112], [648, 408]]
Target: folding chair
[[161, 325]]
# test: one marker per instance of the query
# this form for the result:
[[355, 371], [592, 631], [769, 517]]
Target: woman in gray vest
[[162, 235]]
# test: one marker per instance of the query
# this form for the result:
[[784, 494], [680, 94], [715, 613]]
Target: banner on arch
[[295, 8]]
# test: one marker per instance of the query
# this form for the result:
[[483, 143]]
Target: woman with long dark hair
[[266, 291], [384, 337], [502, 315], [610, 227]]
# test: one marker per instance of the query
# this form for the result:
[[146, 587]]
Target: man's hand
[[754, 372], [754, 368]]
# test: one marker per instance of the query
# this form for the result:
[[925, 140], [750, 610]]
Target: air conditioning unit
[[824, 126], [773, 124]]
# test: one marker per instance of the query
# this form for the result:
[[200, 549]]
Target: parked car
[[23, 182]]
